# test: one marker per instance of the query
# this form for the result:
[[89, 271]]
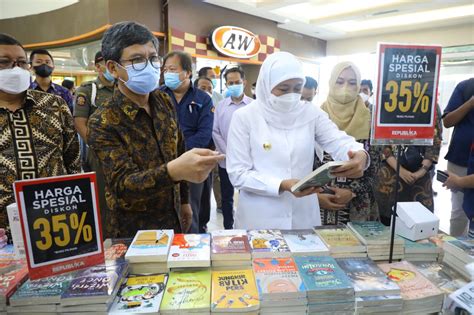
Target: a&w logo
[[235, 42]]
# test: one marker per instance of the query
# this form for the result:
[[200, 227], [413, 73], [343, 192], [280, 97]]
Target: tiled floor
[[442, 201]]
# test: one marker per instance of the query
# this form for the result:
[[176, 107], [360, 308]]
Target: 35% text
[[409, 91], [59, 230]]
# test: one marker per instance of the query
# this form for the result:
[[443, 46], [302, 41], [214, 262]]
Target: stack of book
[[187, 292], [439, 241], [234, 291], [444, 277], [329, 290], [422, 250], [341, 241], [149, 250], [93, 290], [280, 287], [460, 301], [268, 244], [458, 254], [376, 237], [230, 249], [420, 296], [190, 250], [140, 294], [42, 295], [373, 289], [305, 242], [10, 281]]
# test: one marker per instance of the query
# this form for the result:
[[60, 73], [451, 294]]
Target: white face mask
[[364, 96], [285, 103], [15, 80]]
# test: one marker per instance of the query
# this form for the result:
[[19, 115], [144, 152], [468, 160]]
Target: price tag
[[60, 223], [406, 95]]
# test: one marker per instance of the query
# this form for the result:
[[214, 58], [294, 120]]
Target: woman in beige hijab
[[354, 198]]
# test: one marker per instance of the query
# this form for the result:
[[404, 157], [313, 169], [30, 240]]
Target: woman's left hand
[[354, 168], [420, 173]]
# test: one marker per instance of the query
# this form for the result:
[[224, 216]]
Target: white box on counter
[[415, 221]]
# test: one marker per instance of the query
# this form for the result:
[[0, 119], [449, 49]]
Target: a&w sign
[[235, 42]]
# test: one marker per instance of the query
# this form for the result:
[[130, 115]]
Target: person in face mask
[[195, 119], [136, 137], [42, 64], [366, 92], [209, 73], [235, 83], [271, 145], [347, 110], [37, 133], [90, 96]]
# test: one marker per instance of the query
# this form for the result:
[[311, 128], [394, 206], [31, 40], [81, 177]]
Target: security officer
[[89, 96]]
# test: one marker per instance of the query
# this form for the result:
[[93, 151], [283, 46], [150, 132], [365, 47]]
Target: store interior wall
[[78, 18]]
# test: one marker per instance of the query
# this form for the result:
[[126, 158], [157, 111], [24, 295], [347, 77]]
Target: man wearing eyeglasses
[[37, 134], [195, 118], [90, 96], [136, 138]]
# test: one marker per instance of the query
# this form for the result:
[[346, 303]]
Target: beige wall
[[80, 18], [445, 36]]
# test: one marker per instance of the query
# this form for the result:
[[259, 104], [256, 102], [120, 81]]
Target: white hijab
[[279, 67]]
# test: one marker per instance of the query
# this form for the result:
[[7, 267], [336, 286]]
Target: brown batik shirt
[[38, 140], [134, 148]]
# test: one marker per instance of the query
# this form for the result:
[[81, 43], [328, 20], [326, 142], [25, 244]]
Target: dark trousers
[[200, 200], [227, 193]]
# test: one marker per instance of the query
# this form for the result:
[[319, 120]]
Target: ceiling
[[16, 8], [338, 19]]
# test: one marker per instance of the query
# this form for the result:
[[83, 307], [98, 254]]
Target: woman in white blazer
[[271, 145]]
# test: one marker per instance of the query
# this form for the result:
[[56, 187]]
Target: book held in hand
[[317, 178]]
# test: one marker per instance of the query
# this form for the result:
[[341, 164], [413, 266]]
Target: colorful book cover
[[50, 287], [150, 245], [321, 273], [187, 290], [277, 275], [190, 248], [7, 253], [443, 276], [97, 281], [267, 241], [439, 239], [337, 236], [10, 281], [413, 285], [230, 242], [367, 276], [140, 295], [372, 232], [234, 290], [116, 248], [304, 241]]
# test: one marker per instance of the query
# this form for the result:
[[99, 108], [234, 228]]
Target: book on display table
[[190, 250]]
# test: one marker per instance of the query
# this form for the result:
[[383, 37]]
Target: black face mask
[[43, 71]]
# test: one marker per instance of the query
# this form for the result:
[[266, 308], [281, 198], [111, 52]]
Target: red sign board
[[407, 92], [60, 223]]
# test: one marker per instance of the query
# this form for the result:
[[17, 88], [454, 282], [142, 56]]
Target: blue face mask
[[235, 90], [143, 81], [108, 76], [214, 83], [172, 80]]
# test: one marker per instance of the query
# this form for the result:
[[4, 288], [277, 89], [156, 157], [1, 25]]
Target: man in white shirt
[[235, 83]]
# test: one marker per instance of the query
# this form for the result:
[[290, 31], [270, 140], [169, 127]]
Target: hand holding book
[[287, 184], [355, 167]]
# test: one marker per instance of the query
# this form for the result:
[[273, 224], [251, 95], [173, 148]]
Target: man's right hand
[[194, 165]]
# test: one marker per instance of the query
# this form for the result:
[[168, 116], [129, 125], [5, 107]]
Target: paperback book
[[190, 250]]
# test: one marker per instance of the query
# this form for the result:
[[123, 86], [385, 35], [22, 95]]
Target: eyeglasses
[[140, 63], [10, 64]]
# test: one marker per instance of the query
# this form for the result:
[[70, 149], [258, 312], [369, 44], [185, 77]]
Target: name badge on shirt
[[341, 179]]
